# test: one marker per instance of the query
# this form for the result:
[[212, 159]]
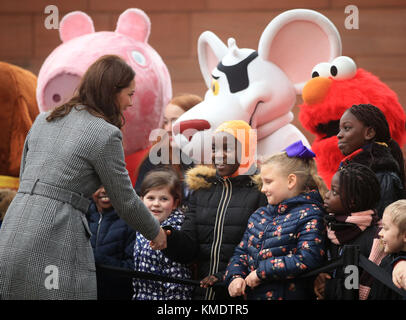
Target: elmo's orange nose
[[315, 90]]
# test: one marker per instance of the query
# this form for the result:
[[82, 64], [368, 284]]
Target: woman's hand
[[320, 284], [208, 281], [159, 242], [237, 287], [399, 275], [252, 279]]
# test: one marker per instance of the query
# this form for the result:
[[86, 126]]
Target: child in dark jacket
[[352, 220], [364, 137], [221, 202], [393, 236], [161, 192], [285, 238], [113, 243]]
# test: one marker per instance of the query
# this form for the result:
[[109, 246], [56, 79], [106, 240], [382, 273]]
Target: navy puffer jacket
[[281, 242], [113, 244]]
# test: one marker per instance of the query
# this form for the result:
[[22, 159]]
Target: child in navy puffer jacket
[[113, 244], [286, 237]]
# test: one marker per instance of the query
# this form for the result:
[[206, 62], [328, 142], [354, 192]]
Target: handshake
[[160, 241], [238, 285]]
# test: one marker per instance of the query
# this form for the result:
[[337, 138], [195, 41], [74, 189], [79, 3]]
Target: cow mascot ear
[[297, 40], [210, 52]]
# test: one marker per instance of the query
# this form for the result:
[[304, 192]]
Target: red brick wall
[[379, 45]]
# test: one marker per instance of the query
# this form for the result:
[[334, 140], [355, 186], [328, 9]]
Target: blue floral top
[[153, 261]]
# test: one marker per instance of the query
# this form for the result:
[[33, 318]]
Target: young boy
[[393, 237], [113, 244]]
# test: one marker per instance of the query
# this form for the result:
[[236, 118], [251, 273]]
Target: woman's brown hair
[[98, 90]]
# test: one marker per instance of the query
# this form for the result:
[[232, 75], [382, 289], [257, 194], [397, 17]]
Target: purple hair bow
[[297, 149]]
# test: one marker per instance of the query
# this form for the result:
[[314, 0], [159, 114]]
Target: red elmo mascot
[[333, 89]]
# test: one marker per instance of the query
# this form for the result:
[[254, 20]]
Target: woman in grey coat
[[45, 252]]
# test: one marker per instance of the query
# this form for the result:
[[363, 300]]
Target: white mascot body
[[259, 87]]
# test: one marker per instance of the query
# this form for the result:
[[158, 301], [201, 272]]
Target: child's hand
[[320, 284], [237, 287], [208, 281], [159, 243], [252, 279], [399, 274]]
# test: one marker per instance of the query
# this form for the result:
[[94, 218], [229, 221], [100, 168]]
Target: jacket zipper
[[262, 243], [98, 229], [218, 232]]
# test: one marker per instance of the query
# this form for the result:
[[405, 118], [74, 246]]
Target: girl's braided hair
[[373, 117], [359, 187]]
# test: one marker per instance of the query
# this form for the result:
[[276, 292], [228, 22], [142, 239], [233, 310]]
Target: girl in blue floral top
[[286, 237], [161, 193]]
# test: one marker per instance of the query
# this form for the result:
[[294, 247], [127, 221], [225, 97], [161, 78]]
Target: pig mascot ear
[[210, 51], [297, 40], [135, 24], [75, 24]]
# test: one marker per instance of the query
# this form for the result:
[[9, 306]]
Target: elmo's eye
[[321, 70], [343, 68], [215, 87]]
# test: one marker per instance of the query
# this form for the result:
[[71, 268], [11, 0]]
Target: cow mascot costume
[[258, 86]]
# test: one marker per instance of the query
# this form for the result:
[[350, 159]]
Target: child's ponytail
[[318, 181]]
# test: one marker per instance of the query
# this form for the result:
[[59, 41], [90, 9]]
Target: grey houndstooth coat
[[45, 252]]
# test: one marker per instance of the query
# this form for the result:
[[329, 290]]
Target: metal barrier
[[351, 257]]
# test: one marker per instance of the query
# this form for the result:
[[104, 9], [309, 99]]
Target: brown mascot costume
[[18, 110]]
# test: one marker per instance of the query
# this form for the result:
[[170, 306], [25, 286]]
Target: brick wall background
[[379, 45]]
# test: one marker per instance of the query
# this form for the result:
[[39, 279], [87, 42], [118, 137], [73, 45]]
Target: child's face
[[392, 240], [160, 202], [275, 185], [225, 159], [171, 113], [353, 134], [101, 199], [332, 200]]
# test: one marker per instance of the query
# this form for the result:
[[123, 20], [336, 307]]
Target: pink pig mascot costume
[[81, 46]]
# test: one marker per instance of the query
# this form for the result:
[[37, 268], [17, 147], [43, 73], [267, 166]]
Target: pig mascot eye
[[215, 87], [343, 68], [138, 57]]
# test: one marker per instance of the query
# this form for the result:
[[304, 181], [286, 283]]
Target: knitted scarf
[[342, 229]]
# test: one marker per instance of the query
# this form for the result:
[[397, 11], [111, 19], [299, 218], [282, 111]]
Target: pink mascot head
[[81, 46]]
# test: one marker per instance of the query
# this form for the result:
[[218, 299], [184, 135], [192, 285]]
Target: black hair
[[359, 187], [373, 117]]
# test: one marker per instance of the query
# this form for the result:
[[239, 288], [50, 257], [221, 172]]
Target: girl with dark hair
[[351, 220], [364, 137], [45, 252], [161, 192]]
